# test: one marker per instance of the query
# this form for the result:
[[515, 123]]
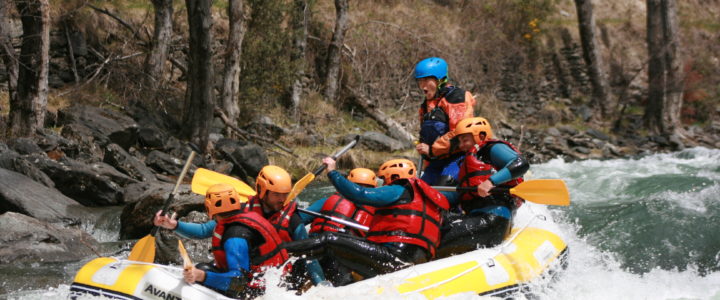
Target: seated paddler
[[487, 211], [405, 229], [244, 244]]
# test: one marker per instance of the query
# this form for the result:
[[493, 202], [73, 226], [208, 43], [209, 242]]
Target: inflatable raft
[[532, 249]]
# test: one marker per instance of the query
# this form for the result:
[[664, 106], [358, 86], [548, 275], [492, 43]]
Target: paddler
[[443, 107], [405, 229], [337, 206], [235, 235], [487, 163]]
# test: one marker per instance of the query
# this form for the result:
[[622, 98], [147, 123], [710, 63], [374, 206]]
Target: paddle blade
[[543, 191], [204, 178], [299, 187], [144, 250], [187, 263]]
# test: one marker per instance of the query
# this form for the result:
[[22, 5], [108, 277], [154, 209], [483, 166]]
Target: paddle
[[205, 178], [334, 219], [303, 182], [144, 249], [187, 263], [542, 191]]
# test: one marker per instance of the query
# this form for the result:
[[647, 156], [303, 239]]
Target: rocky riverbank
[[102, 157]]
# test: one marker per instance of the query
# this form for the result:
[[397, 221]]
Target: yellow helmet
[[475, 126], [395, 169], [272, 178], [363, 176], [221, 198]]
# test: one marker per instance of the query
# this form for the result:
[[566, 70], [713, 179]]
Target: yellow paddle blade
[[299, 187], [187, 263], [204, 178], [144, 250], [543, 191]]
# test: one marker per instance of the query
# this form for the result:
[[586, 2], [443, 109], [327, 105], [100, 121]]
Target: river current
[[642, 228]]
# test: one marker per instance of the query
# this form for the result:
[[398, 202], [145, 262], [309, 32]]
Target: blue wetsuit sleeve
[[313, 266], [502, 156], [453, 197], [380, 196], [194, 230], [316, 207], [238, 260]]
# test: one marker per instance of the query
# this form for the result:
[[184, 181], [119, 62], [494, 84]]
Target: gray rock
[[250, 157], [28, 240], [117, 157], [554, 131], [152, 138], [567, 129], [12, 161], [24, 145], [136, 218], [597, 134], [582, 150], [548, 140], [105, 125], [19, 193], [165, 163]]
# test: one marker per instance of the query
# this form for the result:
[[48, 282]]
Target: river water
[[644, 228]]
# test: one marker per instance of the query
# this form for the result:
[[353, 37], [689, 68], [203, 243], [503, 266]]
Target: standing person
[[405, 229], [235, 235], [337, 206], [443, 107], [488, 163]]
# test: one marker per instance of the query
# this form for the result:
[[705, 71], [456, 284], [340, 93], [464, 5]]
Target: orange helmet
[[395, 169], [475, 126], [363, 176], [272, 178], [221, 198]]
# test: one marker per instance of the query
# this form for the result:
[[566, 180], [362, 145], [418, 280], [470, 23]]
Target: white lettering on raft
[[150, 290]]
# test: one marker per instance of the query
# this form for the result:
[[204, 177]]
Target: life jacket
[[253, 204], [281, 221], [434, 121], [414, 218], [269, 254], [474, 170], [341, 208]]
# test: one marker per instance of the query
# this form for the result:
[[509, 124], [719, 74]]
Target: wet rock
[[82, 182], [21, 194], [117, 157], [136, 218], [28, 240]]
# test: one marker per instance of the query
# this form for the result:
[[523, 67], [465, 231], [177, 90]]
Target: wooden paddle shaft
[[334, 219], [177, 185]]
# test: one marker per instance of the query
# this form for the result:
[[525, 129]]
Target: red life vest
[[253, 204], [281, 221], [413, 219], [474, 170], [270, 252], [339, 207]]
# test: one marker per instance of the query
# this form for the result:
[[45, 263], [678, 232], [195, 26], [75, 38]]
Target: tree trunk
[[335, 50], [198, 109], [662, 112], [7, 51], [155, 60], [300, 30], [233, 51], [392, 128], [27, 111], [593, 59]]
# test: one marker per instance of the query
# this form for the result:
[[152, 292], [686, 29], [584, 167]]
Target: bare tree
[[199, 104], [335, 50], [156, 58], [593, 59], [233, 51], [665, 78], [27, 110], [300, 31], [7, 51]]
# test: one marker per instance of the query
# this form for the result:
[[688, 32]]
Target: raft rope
[[132, 262], [500, 250]]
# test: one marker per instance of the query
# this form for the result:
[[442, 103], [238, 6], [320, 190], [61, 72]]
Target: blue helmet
[[431, 67]]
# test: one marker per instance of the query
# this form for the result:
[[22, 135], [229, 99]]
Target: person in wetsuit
[[488, 163], [337, 206], [443, 107], [243, 244], [405, 229]]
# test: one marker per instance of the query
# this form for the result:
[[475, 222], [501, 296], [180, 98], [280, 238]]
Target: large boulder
[[136, 218], [249, 156], [15, 162], [24, 146], [376, 141], [28, 240], [117, 157], [92, 185], [19, 193], [105, 125]]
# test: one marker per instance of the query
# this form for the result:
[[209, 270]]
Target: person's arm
[[511, 164], [316, 207], [379, 196], [195, 230], [313, 267], [238, 260], [459, 106]]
